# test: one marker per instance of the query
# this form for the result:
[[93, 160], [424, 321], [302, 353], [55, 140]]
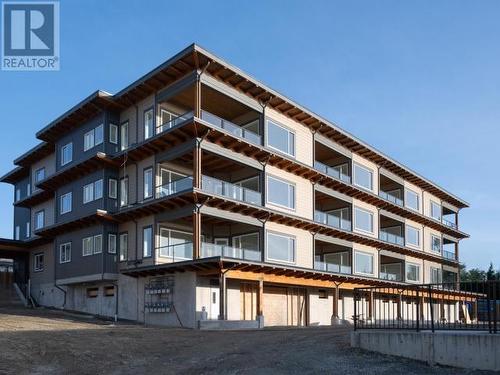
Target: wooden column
[[196, 234], [222, 296], [197, 166], [197, 97], [335, 304], [399, 307], [260, 298], [422, 305]]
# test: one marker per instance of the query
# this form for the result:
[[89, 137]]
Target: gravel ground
[[49, 342]]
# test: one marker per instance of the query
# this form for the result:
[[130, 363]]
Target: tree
[[491, 274], [474, 274]]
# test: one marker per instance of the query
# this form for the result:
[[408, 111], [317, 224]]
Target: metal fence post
[[488, 305], [355, 310], [495, 285], [431, 307], [418, 309]]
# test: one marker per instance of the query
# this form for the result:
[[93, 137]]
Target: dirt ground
[[50, 342]]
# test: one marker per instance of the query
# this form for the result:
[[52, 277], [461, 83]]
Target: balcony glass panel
[[174, 187], [213, 250], [449, 223], [332, 220], [234, 129], [178, 252], [390, 198], [392, 238], [331, 267], [171, 122], [332, 171], [448, 254], [227, 189]]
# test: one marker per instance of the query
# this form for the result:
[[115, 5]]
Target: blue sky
[[418, 80]]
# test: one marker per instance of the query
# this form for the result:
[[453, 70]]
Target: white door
[[213, 311]]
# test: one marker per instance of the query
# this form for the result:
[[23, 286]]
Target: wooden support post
[[222, 296], [197, 97], [399, 307], [197, 166], [370, 305], [196, 234], [422, 306], [260, 299], [335, 305]]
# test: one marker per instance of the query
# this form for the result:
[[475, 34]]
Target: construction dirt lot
[[50, 342]]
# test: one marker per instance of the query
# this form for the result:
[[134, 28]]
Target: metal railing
[[391, 238], [332, 267], [331, 171], [213, 250], [177, 252], [449, 223], [170, 124], [331, 220], [444, 306], [390, 276], [227, 189], [391, 198], [231, 128], [449, 255]]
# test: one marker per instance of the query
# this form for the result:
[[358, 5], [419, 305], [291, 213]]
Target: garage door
[[284, 306]]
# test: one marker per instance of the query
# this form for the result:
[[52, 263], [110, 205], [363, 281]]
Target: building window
[[148, 183], [39, 219], [322, 294], [38, 262], [28, 189], [17, 232], [280, 192], [280, 138], [18, 194], [113, 134], [88, 140], [92, 292], [412, 236], [99, 135], [87, 246], [123, 247], [363, 263], [124, 191], [66, 203], [65, 252], [124, 136], [436, 243], [67, 153], [112, 188], [98, 244], [147, 242], [436, 275], [109, 291], [39, 175], [98, 189], [112, 243], [363, 177], [435, 211], [28, 229], [148, 124], [92, 191], [363, 220], [412, 200], [280, 247], [412, 272]]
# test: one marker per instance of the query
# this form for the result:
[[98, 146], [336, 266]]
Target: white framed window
[[148, 183], [363, 263], [65, 252], [175, 243], [280, 247], [98, 189], [39, 174], [435, 243], [39, 219], [436, 275], [412, 272], [124, 136], [280, 192], [412, 200], [98, 244], [363, 177], [17, 232], [28, 229], [245, 246], [28, 189], [123, 247], [124, 191], [88, 140], [436, 211], [66, 203], [363, 220], [412, 236], [147, 241], [87, 246], [67, 153], [99, 135], [113, 134], [148, 124], [88, 193], [280, 138], [18, 194], [112, 243], [112, 188], [38, 262]]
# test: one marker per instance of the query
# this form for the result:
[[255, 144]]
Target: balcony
[[391, 238], [391, 268], [229, 190], [174, 187], [391, 230], [332, 172], [449, 223], [173, 121], [449, 255], [329, 257], [391, 198], [332, 267], [332, 220], [331, 162], [232, 128], [390, 190], [214, 250], [177, 252]]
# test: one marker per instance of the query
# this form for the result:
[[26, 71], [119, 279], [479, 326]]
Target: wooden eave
[[35, 154], [86, 221], [15, 175], [37, 197]]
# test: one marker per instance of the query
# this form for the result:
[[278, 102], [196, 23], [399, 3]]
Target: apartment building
[[197, 196]]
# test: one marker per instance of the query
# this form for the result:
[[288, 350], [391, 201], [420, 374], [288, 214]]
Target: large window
[[112, 243], [436, 275], [363, 220], [39, 174], [17, 232], [412, 272], [67, 153], [363, 177], [113, 134], [92, 191], [66, 202], [176, 244], [363, 263], [93, 137], [87, 246], [123, 247], [39, 219], [112, 188], [148, 183], [65, 252], [147, 242], [148, 124], [280, 247], [124, 136], [38, 262], [98, 244], [124, 191], [412, 200], [280, 138], [412, 236], [280, 192], [435, 243], [435, 211], [99, 135]]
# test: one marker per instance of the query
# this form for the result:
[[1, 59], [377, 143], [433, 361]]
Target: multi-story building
[[197, 194]]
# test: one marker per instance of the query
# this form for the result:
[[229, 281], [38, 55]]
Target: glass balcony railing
[[231, 128], [391, 238], [390, 276], [449, 255], [170, 124], [449, 223], [331, 220], [391, 198], [174, 187], [332, 267], [227, 189], [331, 171], [212, 250], [177, 252]]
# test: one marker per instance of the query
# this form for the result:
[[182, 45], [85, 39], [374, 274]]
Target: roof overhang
[[15, 175], [36, 153]]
